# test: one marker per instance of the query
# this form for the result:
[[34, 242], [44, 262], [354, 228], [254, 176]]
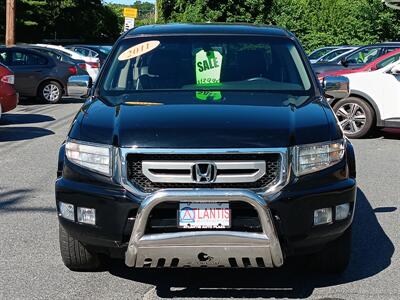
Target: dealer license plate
[[204, 215]]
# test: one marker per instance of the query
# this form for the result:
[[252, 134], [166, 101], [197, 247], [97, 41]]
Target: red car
[[8, 95], [378, 63]]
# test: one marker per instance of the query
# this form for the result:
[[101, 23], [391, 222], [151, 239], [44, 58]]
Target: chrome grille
[[141, 182]]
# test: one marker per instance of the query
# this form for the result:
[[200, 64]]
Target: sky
[[128, 2]]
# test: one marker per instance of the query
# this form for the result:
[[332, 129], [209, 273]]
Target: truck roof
[[209, 28]]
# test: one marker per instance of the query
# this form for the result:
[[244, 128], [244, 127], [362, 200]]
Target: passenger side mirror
[[337, 87], [395, 70], [78, 86]]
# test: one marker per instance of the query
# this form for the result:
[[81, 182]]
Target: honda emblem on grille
[[204, 172]]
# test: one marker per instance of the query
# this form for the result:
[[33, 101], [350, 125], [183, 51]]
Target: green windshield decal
[[208, 95], [208, 73]]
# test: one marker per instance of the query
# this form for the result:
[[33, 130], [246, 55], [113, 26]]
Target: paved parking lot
[[31, 267]]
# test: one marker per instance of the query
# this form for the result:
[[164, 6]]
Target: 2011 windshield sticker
[[208, 67], [138, 50]]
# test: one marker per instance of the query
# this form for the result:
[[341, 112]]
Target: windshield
[[201, 63], [364, 56], [333, 54], [319, 53], [104, 49]]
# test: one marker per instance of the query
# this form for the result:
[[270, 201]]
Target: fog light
[[86, 215], [342, 211], [66, 210], [323, 216]]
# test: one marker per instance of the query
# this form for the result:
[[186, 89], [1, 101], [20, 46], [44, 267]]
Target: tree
[[316, 22], [253, 11], [336, 22], [145, 12], [84, 20]]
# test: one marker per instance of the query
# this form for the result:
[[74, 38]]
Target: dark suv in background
[[37, 74], [207, 146]]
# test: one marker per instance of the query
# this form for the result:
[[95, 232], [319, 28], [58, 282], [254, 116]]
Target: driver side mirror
[[395, 70], [337, 87], [78, 86]]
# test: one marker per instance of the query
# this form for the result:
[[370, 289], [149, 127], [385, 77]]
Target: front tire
[[50, 92], [355, 116], [75, 255], [335, 256]]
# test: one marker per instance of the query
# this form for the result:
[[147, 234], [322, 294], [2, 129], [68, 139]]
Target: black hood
[[180, 120]]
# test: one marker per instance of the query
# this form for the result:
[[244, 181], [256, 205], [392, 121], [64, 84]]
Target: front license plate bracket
[[203, 215]]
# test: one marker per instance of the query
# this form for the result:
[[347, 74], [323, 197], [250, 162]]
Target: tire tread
[[75, 255]]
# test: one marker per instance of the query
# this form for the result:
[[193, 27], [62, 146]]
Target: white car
[[374, 101], [92, 63]]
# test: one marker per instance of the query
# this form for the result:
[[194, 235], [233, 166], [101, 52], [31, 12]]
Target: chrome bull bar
[[211, 248]]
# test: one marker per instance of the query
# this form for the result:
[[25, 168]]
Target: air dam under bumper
[[204, 248]]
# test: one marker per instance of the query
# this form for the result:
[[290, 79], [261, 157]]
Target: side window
[[82, 51], [3, 57], [391, 49], [364, 56], [93, 53], [54, 55], [77, 50], [18, 59], [26, 59], [388, 61]]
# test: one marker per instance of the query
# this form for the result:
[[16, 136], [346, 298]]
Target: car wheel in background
[[355, 116], [50, 92]]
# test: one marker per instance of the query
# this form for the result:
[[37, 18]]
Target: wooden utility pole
[[10, 23], [156, 11]]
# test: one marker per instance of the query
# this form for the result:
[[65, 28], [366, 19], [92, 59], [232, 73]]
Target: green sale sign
[[208, 73]]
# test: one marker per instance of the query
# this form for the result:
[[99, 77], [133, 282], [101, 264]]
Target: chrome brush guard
[[211, 248]]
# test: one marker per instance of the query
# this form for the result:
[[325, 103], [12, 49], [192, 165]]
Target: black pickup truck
[[206, 145]]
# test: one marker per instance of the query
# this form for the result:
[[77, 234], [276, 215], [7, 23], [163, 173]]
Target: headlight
[[91, 156], [316, 157]]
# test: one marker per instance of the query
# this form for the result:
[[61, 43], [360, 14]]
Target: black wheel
[[50, 92], [75, 255], [335, 256], [355, 116]]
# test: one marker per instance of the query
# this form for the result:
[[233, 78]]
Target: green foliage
[[249, 11], [78, 20], [336, 22], [316, 22], [145, 15]]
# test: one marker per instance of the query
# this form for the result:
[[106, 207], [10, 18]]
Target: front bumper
[[204, 248], [287, 223]]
